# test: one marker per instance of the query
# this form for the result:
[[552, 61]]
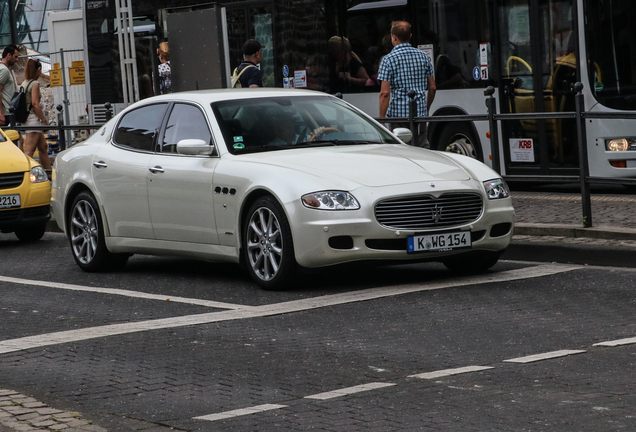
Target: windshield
[[279, 123], [611, 44]]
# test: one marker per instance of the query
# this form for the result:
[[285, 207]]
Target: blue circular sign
[[285, 71], [476, 73]]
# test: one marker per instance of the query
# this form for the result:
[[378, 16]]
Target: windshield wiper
[[334, 142]]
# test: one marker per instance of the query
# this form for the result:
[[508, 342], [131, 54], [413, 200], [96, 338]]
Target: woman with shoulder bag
[[35, 138]]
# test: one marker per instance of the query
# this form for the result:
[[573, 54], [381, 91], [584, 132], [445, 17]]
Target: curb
[[567, 230]]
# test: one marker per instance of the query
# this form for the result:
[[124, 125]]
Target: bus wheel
[[458, 138]]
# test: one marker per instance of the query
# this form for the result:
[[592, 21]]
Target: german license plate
[[439, 242], [9, 201]]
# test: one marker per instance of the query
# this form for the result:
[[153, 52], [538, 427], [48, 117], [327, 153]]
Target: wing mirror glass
[[404, 134], [196, 147]]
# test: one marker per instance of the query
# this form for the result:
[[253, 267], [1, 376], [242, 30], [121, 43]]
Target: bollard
[[338, 95], [412, 115], [109, 111], [60, 132], [491, 104], [584, 169]]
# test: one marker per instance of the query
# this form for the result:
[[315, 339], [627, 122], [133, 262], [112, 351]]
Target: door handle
[[156, 169], [100, 164]]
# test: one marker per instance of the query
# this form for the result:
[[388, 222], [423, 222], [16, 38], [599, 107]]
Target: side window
[[138, 128], [185, 122]]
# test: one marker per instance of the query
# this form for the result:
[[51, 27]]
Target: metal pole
[[65, 90], [60, 132], [12, 23], [491, 103], [584, 170], [412, 115]]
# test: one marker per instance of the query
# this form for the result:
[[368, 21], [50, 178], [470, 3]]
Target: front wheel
[[268, 245], [473, 262], [86, 235], [32, 233], [459, 138]]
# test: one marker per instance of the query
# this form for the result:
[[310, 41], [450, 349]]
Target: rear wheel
[[268, 245], [459, 138], [86, 235], [32, 233], [472, 263]]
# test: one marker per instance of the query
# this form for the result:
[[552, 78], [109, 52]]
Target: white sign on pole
[[521, 150], [300, 78]]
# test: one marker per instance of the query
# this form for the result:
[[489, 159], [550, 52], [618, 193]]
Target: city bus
[[531, 51]]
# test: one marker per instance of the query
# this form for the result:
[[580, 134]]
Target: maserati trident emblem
[[436, 213]]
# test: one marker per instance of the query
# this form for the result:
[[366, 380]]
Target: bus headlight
[[621, 144]]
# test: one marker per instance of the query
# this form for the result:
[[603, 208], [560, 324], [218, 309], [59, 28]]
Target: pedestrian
[[348, 73], [7, 81], [35, 138], [406, 68], [165, 80], [248, 73]]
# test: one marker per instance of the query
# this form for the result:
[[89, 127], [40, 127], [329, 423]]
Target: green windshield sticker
[[239, 145], [238, 139], [598, 86]]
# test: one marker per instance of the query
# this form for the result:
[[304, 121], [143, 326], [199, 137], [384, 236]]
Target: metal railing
[[493, 118]]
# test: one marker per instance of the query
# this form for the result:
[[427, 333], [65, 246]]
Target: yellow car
[[25, 191]]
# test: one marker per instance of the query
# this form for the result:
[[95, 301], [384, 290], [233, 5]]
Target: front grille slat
[[419, 212], [11, 180]]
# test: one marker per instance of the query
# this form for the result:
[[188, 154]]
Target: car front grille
[[11, 180], [426, 211]]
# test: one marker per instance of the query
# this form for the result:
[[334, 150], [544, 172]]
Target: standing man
[[406, 68], [7, 83], [249, 75]]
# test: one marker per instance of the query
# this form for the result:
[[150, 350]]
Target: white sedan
[[275, 180]]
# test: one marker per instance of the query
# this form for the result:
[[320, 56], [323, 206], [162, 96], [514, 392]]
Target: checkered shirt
[[406, 68]]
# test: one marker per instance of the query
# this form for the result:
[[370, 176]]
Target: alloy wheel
[[264, 243], [84, 232]]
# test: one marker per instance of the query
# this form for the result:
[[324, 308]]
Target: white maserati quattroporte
[[275, 180]]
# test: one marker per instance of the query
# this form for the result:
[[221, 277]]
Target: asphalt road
[[171, 343]]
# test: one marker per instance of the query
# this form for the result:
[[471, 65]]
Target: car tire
[[86, 235], [268, 245], [459, 138], [32, 233], [472, 263]]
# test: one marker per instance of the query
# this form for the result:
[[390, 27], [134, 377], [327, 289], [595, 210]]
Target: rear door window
[[139, 128]]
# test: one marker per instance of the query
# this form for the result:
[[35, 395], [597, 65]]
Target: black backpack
[[19, 104]]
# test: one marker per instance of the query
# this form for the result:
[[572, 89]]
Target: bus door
[[537, 71]]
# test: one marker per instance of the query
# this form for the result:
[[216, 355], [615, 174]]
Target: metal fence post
[[12, 122], [412, 115], [584, 169], [491, 104], [109, 111], [60, 132]]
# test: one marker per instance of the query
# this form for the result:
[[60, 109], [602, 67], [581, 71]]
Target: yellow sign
[[56, 66], [76, 75], [56, 77], [77, 64]]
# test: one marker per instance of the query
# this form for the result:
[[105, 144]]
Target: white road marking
[[617, 342], [126, 293], [544, 356], [240, 412], [449, 372], [349, 390], [38, 341]]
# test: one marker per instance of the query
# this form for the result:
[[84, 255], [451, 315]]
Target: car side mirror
[[404, 134], [196, 147], [12, 135]]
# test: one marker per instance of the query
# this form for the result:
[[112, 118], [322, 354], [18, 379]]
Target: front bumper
[[13, 219], [324, 238]]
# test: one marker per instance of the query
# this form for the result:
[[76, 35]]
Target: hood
[[368, 165], [12, 159]]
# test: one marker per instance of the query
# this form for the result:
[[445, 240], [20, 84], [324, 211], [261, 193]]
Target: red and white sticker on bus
[[521, 150]]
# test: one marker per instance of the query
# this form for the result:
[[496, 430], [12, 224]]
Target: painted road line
[[120, 292], [544, 356], [240, 412], [449, 372], [37, 341], [617, 342], [349, 390]]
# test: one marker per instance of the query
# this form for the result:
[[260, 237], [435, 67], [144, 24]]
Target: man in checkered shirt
[[406, 68]]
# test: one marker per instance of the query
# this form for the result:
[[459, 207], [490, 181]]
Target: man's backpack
[[236, 83], [19, 104]]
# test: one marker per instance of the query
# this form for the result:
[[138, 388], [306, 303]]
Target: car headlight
[[38, 175], [330, 200], [496, 189], [621, 144]]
